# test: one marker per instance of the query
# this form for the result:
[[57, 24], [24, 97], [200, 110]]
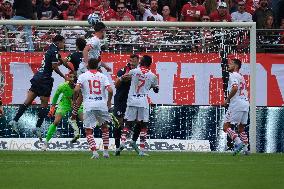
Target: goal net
[[190, 60]]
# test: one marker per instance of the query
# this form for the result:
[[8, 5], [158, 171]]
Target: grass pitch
[[160, 170]]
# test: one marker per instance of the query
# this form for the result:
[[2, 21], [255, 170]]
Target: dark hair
[[81, 43], [58, 38], [93, 63], [134, 56], [99, 26], [146, 61], [237, 62]]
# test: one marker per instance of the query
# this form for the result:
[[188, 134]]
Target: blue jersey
[[51, 56]]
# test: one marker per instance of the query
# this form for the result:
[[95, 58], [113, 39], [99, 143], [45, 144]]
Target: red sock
[[91, 142], [75, 111], [232, 134], [105, 137], [244, 137], [143, 134], [123, 136]]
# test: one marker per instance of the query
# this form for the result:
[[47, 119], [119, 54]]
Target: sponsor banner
[[64, 144], [184, 78]]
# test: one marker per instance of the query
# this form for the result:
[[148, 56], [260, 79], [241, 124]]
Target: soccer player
[[65, 89], [91, 50], [41, 84], [142, 80], [238, 103], [93, 47], [76, 58], [122, 85], [93, 86]]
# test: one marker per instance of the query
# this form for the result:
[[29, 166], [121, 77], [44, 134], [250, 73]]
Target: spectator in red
[[149, 14], [192, 12], [166, 14], [221, 14], [72, 13], [106, 12], [88, 7], [7, 9], [122, 14], [46, 11]]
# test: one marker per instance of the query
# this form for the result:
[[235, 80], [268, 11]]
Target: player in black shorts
[[41, 84], [122, 85]]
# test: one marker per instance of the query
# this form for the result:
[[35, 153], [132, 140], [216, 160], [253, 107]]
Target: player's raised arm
[[86, 54]]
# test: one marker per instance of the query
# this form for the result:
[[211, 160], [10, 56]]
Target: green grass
[[173, 170]]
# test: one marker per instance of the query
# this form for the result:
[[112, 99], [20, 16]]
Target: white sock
[[237, 140], [245, 148]]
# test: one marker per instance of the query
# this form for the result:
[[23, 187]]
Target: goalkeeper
[[65, 89]]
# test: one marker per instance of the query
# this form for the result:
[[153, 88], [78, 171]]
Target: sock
[[20, 112], [105, 137], [244, 137], [51, 130], [75, 111], [232, 134], [117, 135], [136, 132], [41, 115], [76, 129], [143, 134], [91, 142], [123, 136]]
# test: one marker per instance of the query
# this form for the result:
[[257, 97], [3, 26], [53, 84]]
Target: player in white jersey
[[93, 47], [142, 80], [238, 109], [91, 50], [93, 86]]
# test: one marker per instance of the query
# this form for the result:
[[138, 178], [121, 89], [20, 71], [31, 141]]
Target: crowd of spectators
[[268, 14], [153, 10]]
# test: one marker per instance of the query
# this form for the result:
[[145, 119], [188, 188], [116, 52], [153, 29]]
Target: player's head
[[71, 78], [80, 43], [100, 28], [134, 61], [234, 65], [146, 61], [59, 41], [93, 64]]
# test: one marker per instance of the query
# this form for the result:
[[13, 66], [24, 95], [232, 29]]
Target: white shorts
[[136, 113], [236, 117], [93, 116]]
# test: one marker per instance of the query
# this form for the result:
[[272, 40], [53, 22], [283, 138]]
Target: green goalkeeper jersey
[[66, 98]]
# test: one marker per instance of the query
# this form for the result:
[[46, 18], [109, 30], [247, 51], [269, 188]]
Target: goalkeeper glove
[[51, 111]]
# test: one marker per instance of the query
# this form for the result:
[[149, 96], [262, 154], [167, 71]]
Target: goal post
[[140, 24]]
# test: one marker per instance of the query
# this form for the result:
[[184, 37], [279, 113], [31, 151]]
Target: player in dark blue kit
[[76, 57], [42, 83], [122, 85]]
